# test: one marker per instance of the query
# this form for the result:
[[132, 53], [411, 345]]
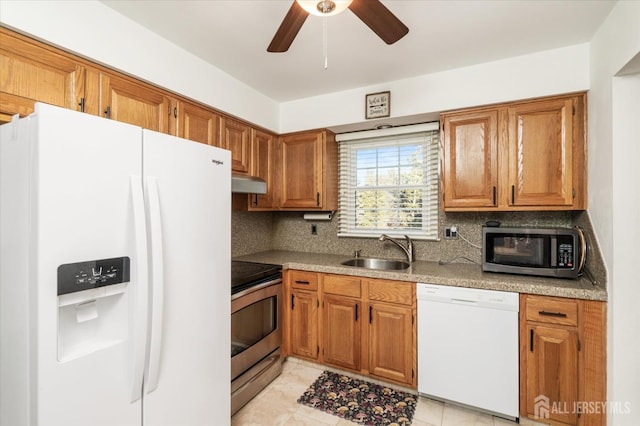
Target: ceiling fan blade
[[380, 19], [288, 29]]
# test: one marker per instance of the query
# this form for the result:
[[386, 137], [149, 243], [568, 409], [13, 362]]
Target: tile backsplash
[[257, 231], [251, 232], [260, 231]]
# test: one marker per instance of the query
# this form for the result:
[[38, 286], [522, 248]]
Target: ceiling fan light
[[324, 7]]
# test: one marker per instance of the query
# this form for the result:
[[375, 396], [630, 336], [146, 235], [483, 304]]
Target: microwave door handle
[[583, 249]]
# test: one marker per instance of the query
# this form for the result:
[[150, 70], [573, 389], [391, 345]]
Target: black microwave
[[548, 252]]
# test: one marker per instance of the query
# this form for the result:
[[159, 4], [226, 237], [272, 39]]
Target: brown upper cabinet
[[236, 137], [470, 161], [309, 167], [517, 156], [300, 170], [31, 73], [528, 155], [130, 102], [197, 123], [263, 165]]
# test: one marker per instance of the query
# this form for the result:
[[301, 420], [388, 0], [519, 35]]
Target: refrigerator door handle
[[139, 288], [157, 284]]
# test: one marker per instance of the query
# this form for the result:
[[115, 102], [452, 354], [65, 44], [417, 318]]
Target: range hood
[[247, 184]]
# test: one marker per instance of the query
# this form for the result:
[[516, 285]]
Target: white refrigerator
[[115, 274]]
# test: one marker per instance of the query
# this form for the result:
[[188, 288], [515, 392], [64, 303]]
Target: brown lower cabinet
[[304, 313], [368, 326], [562, 360], [301, 314], [341, 331], [364, 325]]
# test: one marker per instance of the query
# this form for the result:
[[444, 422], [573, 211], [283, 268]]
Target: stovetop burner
[[248, 274]]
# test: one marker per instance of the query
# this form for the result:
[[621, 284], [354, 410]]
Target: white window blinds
[[389, 184]]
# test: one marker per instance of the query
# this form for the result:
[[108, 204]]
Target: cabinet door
[[236, 137], [197, 123], [541, 153], [470, 164], [301, 161], [341, 331], [552, 372], [263, 157], [133, 103], [391, 342], [32, 74], [304, 323]]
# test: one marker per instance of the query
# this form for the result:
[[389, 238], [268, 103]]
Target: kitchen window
[[388, 182]]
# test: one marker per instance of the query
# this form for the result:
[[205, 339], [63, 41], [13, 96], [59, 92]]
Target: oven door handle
[[257, 287]]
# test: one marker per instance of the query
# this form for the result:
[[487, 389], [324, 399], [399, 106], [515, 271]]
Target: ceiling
[[234, 35]]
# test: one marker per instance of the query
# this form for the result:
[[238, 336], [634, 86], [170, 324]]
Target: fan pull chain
[[324, 42]]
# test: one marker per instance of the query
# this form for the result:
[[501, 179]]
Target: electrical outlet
[[451, 232], [314, 229]]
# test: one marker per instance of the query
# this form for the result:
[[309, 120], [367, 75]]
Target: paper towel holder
[[318, 216]]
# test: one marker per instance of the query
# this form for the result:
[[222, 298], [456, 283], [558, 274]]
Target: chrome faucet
[[408, 250]]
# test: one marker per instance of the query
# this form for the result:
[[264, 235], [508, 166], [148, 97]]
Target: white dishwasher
[[468, 347]]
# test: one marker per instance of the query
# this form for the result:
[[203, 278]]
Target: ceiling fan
[[372, 12]]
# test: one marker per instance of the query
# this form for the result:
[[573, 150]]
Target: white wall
[[545, 73], [614, 195], [93, 30], [120, 43], [625, 288]]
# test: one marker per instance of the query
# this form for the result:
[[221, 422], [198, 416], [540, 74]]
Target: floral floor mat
[[359, 401]]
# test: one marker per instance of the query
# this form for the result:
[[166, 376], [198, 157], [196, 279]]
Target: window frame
[[349, 143]]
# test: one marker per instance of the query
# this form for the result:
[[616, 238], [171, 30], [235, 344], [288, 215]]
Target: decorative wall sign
[[378, 105]]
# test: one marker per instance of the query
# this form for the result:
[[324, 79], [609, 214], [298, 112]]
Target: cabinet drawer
[[552, 310], [343, 286], [305, 280], [392, 291]]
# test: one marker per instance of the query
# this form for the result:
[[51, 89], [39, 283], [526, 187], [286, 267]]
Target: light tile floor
[[276, 405]]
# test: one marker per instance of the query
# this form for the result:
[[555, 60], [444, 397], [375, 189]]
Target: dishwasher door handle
[[465, 302]]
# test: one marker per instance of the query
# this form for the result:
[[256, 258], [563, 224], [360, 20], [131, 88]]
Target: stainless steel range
[[256, 331]]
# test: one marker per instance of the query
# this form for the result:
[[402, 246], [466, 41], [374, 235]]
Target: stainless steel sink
[[382, 264]]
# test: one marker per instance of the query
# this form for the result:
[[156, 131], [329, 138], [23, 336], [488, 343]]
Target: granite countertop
[[454, 274]]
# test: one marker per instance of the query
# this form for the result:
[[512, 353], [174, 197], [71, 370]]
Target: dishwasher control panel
[[470, 296]]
